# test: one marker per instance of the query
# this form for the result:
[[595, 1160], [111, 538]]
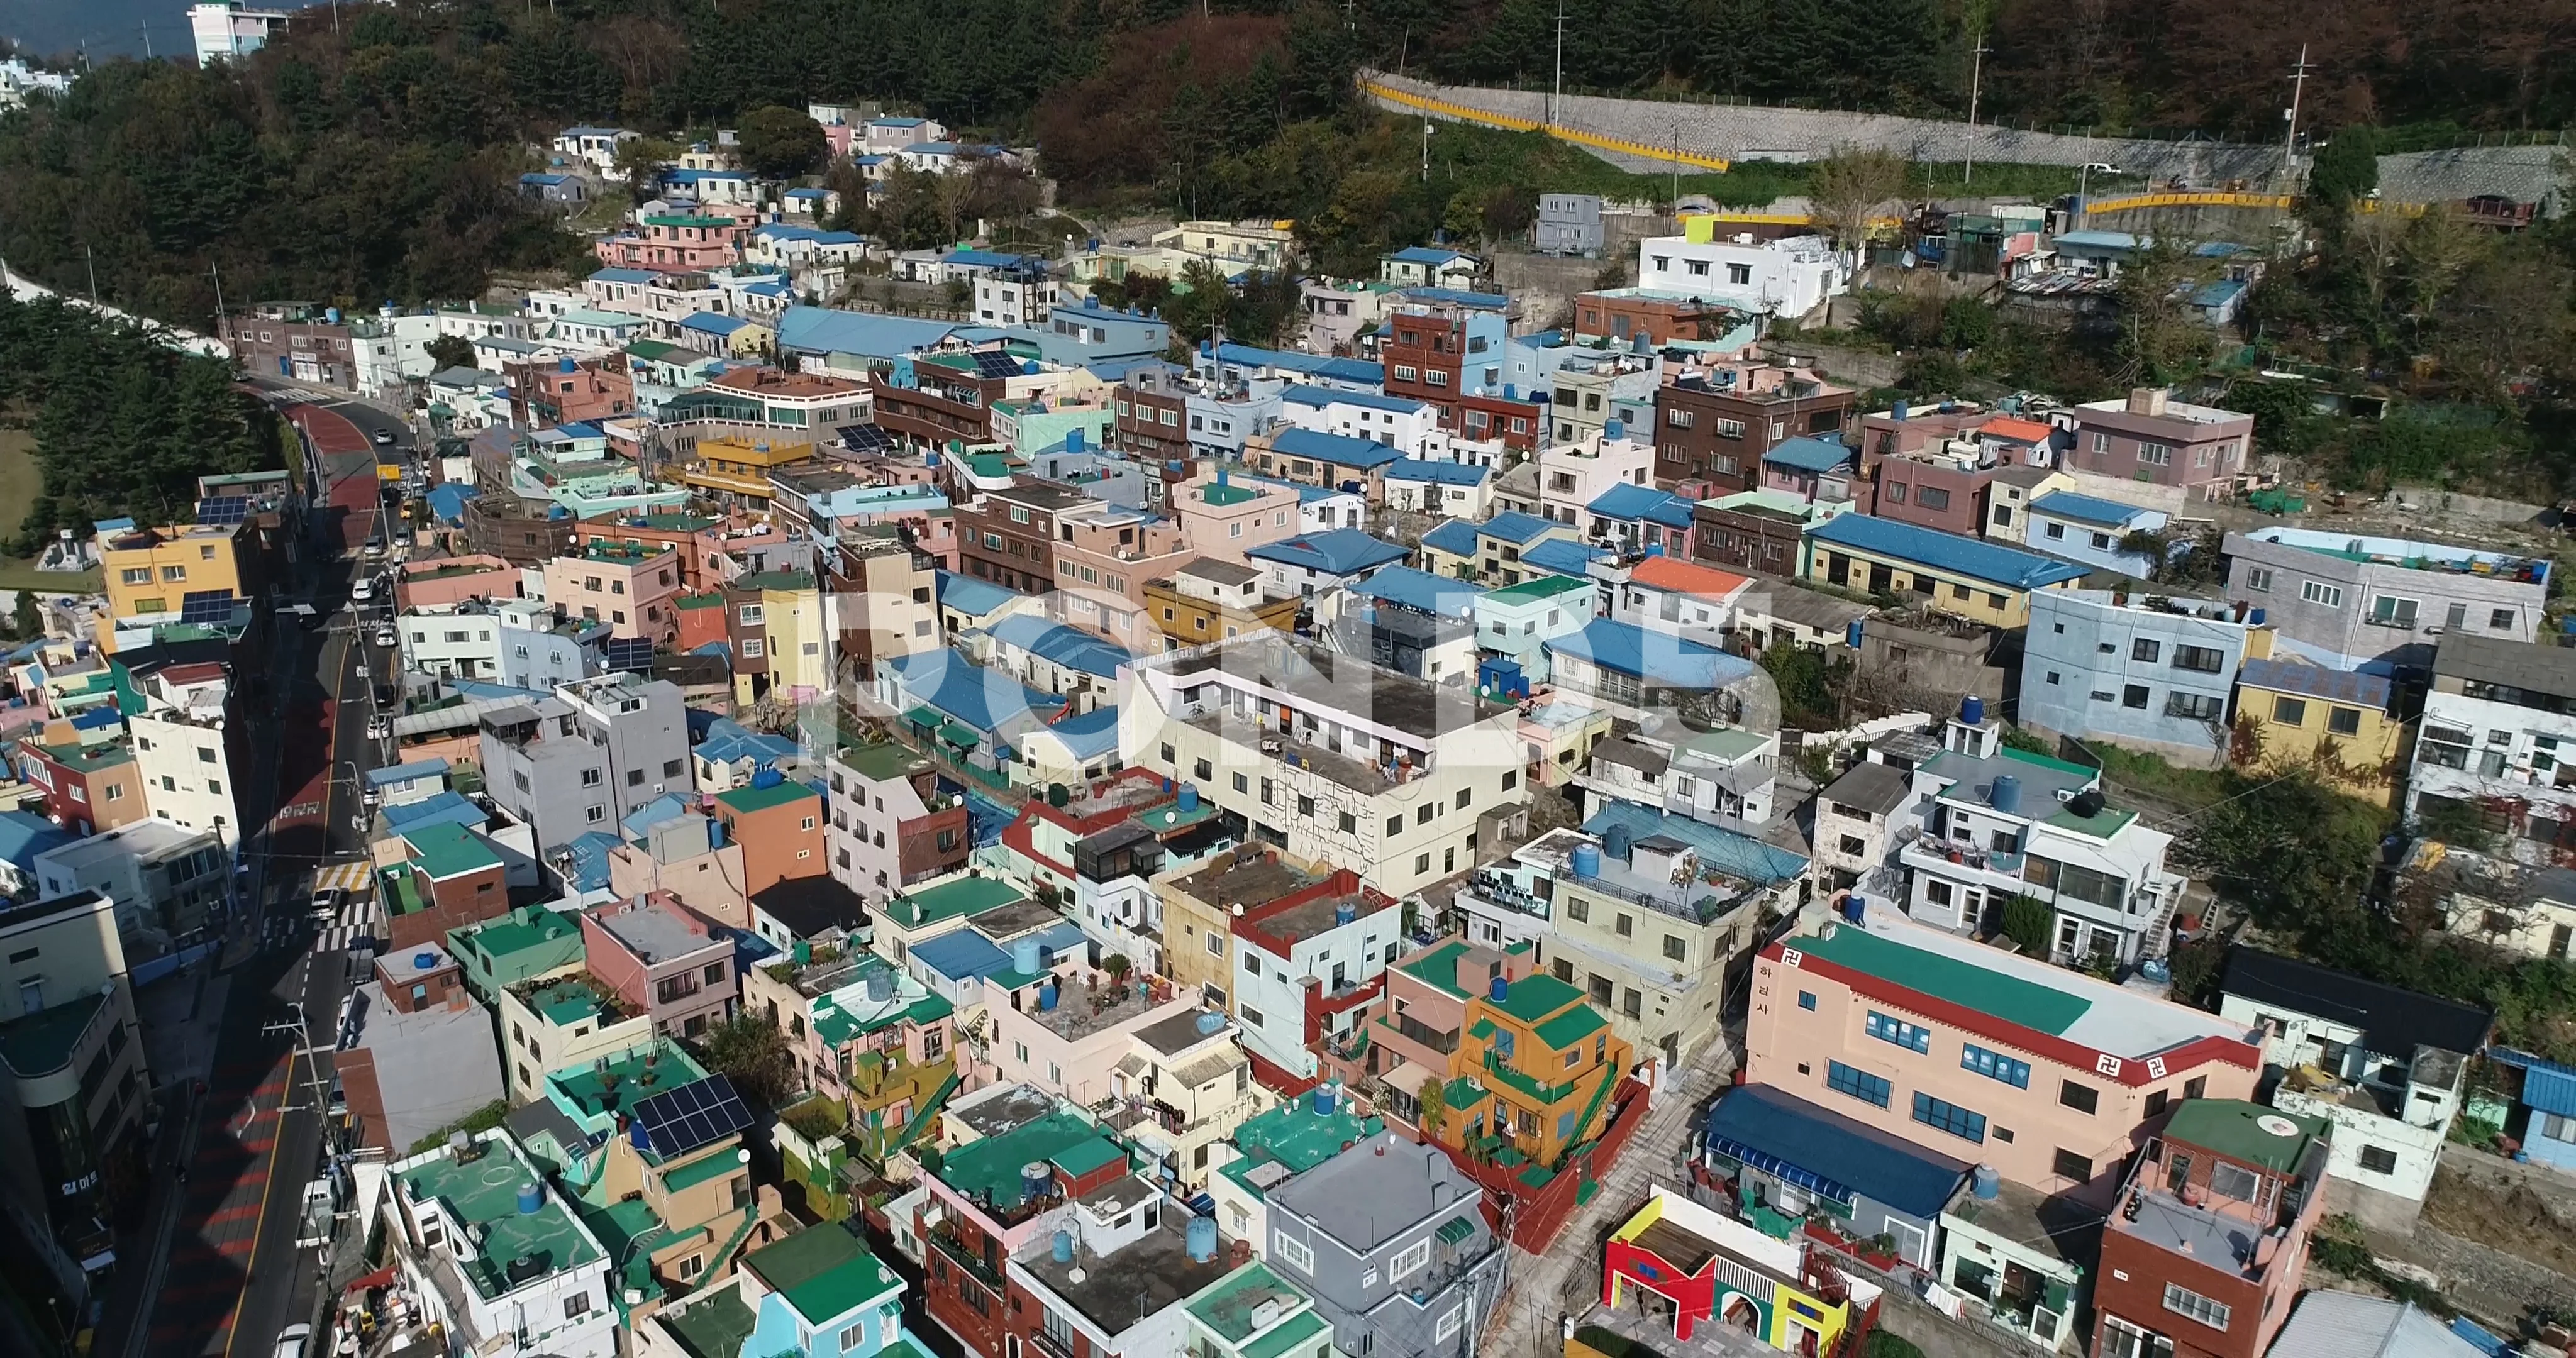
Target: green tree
[[2294, 853], [777, 142], [751, 1052], [2344, 171], [2029, 922], [27, 619], [1853, 186], [450, 351], [1435, 1107]]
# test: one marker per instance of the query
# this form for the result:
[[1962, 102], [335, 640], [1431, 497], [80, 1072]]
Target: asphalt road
[[234, 1276]]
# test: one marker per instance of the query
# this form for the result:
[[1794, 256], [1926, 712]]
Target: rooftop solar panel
[[996, 363], [629, 653], [696, 1114], [862, 438], [206, 606], [223, 509]]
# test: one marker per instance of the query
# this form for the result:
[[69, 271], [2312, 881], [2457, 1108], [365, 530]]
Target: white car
[[388, 637], [362, 590], [291, 1341], [384, 438], [327, 903], [379, 728]]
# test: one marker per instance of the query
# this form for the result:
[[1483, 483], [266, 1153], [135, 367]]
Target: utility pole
[[2290, 144], [218, 271], [1556, 99], [1426, 150], [92, 257], [1677, 165], [1976, 83], [147, 40]]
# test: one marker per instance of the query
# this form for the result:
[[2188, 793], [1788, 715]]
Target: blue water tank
[[1587, 860], [568, 365], [1322, 1100], [1210, 1023], [1200, 1237], [1511, 391], [423, 961], [1614, 428], [531, 1198], [1851, 634], [766, 778], [2255, 618], [1618, 842], [1498, 988], [332, 314], [1189, 798], [1654, 549], [715, 834], [1025, 957], [1063, 1247], [931, 461], [1046, 996], [2004, 794], [1900, 408], [1035, 1180], [1221, 477], [1855, 907], [641, 1139], [1345, 913], [1073, 440], [1972, 710], [1985, 1183]]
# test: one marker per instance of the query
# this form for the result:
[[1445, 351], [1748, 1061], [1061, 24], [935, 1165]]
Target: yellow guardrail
[[2138, 201], [1508, 123]]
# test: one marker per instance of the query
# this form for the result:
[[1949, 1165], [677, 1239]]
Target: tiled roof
[[2316, 681]]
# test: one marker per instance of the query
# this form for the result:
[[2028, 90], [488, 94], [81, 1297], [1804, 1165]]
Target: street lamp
[[1426, 150]]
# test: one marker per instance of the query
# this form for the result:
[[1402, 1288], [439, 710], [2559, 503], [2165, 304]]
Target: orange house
[[780, 829]]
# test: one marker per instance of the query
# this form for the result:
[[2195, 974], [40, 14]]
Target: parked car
[[362, 590], [292, 1340], [327, 903], [388, 637]]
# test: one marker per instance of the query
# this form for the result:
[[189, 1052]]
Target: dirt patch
[[2505, 1214]]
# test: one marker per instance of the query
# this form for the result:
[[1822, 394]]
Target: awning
[[1780, 1169], [959, 735], [924, 715], [1455, 1230]]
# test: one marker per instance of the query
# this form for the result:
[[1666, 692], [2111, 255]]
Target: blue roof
[[623, 276], [1070, 647], [971, 596], [1457, 537], [2546, 1085], [589, 867], [1561, 556], [1326, 396], [1337, 369], [1944, 551], [896, 122], [1627, 501], [1422, 591], [728, 741], [586, 130], [788, 231], [1425, 254], [23, 835], [1437, 473], [712, 323], [2316, 681], [2097, 240], [961, 955], [1514, 527], [1335, 551], [1339, 449], [443, 808], [807, 193], [1823, 1151], [1658, 657], [2217, 292], [986, 259], [981, 698], [1488, 301], [821, 330], [1737, 855], [406, 773], [2064, 504], [1089, 735], [693, 176], [1809, 454], [668, 806]]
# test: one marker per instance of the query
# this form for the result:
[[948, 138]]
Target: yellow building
[[739, 469], [1533, 1072], [1703, 1270], [1981, 581], [154, 570], [2334, 721], [1209, 600], [798, 639]]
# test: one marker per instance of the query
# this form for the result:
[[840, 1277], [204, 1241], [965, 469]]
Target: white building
[[1310, 959], [596, 146], [1411, 427], [495, 1257], [1788, 277], [231, 29], [181, 750], [2385, 1065], [2498, 730], [1015, 299], [1857, 817], [455, 643], [1572, 475]]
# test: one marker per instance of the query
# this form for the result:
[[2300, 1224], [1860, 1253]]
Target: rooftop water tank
[[1498, 988], [423, 961], [641, 1139], [1614, 428], [531, 1198], [880, 985], [931, 461], [2005, 794], [765, 778], [1189, 797], [1200, 1237], [1046, 996], [1618, 842], [715, 834], [1035, 1180], [2255, 618], [1900, 408], [1073, 440], [1322, 1100], [1972, 710], [1064, 1246], [1587, 860], [1855, 907], [1024, 957], [1985, 1182], [1345, 913], [1210, 1023], [1851, 634], [568, 365]]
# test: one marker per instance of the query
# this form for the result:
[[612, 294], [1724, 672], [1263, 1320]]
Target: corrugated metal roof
[[2316, 681], [2066, 504], [1944, 551]]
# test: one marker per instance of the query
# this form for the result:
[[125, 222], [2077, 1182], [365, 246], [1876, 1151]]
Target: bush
[[2029, 922], [476, 1123]]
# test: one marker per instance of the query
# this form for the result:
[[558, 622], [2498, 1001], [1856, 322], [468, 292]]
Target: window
[[2501, 620], [2133, 695], [752, 615], [2200, 659], [1395, 825], [2234, 1181], [2195, 706], [2081, 1098], [2258, 579], [2145, 648], [2379, 1159], [577, 1305], [2183, 1301], [1294, 1253], [1252, 1016], [1896, 492], [1676, 948], [2068, 1165], [1931, 497], [2054, 530], [2387, 610], [1452, 1323], [1350, 824], [1409, 1260], [2155, 454], [1860, 1084], [1949, 1117], [1995, 1066], [1912, 1037], [854, 1336], [2318, 592], [1807, 999], [2289, 711], [2343, 721]]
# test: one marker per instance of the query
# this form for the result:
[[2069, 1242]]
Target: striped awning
[[1783, 1170]]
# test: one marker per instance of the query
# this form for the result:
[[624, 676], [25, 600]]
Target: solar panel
[[629, 653], [223, 509], [996, 363], [865, 438], [207, 606], [696, 1114]]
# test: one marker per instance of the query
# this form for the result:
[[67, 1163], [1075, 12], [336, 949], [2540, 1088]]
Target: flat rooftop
[[2060, 1227], [653, 933], [1314, 676], [1014, 1106], [2410, 553], [1177, 1034], [483, 1190], [1117, 1290], [1248, 879], [1309, 918], [1073, 1018]]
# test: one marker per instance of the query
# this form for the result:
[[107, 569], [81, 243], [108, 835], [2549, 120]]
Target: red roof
[[2022, 431], [1665, 572]]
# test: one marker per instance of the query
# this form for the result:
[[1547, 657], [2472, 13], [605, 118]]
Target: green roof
[[715, 1325], [2235, 1129], [699, 601], [524, 943], [43, 1044], [565, 1002], [445, 849], [2046, 762], [747, 800], [989, 465], [1437, 968], [1222, 496], [1455, 1229], [2102, 825], [1571, 1027], [883, 761], [1533, 998], [701, 1170], [824, 1272], [1296, 1136], [960, 897], [1726, 743], [1961, 982], [959, 734], [1228, 1307], [1461, 1094], [625, 1086], [1287, 1336], [655, 350], [1542, 587], [485, 1192], [681, 219], [989, 1169], [1085, 1156]]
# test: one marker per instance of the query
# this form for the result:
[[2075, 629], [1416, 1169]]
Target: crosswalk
[[356, 920]]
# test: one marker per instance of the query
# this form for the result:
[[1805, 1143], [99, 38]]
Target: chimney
[[2148, 401]]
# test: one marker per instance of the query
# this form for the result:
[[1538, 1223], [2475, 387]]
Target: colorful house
[[1533, 1072], [1787, 1294]]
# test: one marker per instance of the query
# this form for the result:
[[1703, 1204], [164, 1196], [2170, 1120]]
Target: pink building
[[1103, 557], [2049, 1075], [633, 590], [675, 244], [2152, 437], [445, 582], [661, 959], [1222, 518], [1412, 1027], [1065, 1028]]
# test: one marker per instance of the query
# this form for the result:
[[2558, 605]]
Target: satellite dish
[[2277, 1125]]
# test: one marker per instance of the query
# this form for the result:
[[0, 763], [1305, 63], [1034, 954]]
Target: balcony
[[943, 1237], [1500, 889], [1938, 856]]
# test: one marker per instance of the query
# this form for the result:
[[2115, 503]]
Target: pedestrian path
[[356, 920]]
